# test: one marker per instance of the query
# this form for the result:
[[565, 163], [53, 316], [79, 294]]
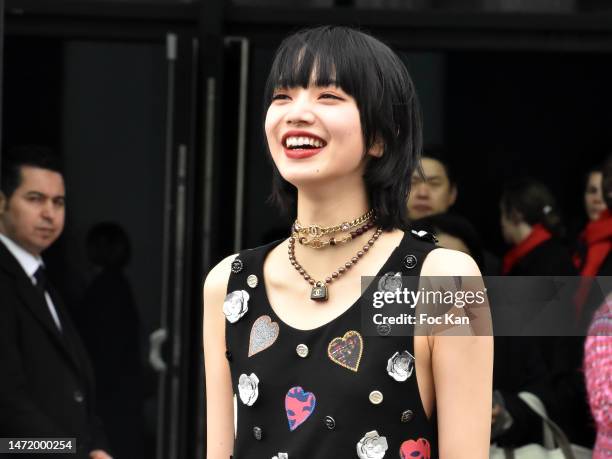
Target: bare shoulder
[[446, 262], [215, 284]]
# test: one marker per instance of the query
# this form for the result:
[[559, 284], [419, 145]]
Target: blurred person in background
[[594, 203], [47, 386], [595, 242], [598, 348], [108, 304], [593, 255], [435, 192], [546, 366], [531, 224]]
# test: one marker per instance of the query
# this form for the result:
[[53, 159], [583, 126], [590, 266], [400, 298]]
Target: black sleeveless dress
[[330, 392]]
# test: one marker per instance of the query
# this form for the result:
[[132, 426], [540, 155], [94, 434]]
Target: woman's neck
[[331, 205]]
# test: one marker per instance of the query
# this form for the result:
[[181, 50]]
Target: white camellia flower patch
[[400, 366], [248, 388], [390, 282], [372, 446], [236, 305]]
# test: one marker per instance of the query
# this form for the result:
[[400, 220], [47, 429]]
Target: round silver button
[[302, 350], [252, 281], [410, 261], [237, 265], [376, 397], [330, 422], [257, 433], [383, 329]]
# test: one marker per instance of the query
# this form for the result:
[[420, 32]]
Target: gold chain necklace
[[318, 243], [316, 231], [319, 290]]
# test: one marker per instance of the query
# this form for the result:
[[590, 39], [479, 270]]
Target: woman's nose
[[300, 112]]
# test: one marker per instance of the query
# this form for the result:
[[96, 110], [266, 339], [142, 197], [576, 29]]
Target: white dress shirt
[[30, 264]]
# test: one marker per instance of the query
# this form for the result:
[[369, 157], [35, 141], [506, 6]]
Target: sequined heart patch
[[415, 449], [263, 334], [346, 350], [299, 405]]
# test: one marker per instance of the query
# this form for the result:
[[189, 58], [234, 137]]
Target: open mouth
[[303, 142]]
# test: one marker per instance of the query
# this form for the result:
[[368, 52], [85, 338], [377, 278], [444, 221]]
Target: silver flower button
[[248, 388], [390, 282], [236, 305], [372, 446], [400, 366]]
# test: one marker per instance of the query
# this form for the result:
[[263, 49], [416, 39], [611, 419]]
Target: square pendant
[[319, 293]]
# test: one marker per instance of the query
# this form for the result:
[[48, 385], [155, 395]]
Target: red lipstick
[[301, 153]]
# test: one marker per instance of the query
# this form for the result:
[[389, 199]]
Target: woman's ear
[[378, 149]]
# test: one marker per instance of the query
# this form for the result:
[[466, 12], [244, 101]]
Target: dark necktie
[[41, 280], [42, 285]]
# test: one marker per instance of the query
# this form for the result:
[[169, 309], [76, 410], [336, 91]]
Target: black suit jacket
[[46, 382]]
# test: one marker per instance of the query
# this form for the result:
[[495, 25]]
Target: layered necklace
[[318, 237]]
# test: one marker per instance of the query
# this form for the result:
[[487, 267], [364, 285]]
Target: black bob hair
[[38, 156], [371, 73]]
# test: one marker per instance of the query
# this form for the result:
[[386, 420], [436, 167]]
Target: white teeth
[[302, 141]]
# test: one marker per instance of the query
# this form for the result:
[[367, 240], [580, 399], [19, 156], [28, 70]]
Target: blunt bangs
[[371, 73]]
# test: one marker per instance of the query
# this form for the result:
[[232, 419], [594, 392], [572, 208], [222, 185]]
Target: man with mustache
[[47, 383]]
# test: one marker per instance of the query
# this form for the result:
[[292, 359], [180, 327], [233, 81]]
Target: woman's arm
[[462, 367], [219, 395]]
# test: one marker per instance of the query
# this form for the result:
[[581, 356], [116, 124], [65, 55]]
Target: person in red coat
[[531, 223], [546, 366], [595, 240]]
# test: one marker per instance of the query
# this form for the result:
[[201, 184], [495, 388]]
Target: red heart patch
[[415, 449], [299, 405]]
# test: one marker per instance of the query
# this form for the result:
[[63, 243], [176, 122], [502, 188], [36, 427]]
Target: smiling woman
[[282, 322]]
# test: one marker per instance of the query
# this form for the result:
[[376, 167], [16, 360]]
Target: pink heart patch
[[415, 449], [299, 405]]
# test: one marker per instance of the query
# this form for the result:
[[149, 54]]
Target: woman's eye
[[330, 96], [280, 97]]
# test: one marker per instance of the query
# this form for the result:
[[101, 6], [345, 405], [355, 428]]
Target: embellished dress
[[335, 391]]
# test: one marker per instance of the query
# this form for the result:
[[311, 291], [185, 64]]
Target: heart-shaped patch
[[415, 449], [263, 334], [299, 405], [346, 350]]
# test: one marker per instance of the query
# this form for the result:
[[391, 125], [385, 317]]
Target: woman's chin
[[303, 174], [304, 180]]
